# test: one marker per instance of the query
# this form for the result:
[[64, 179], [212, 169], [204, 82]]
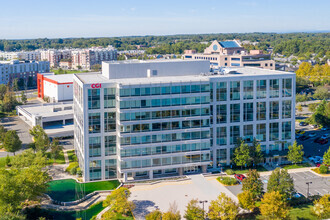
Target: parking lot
[[310, 147], [319, 186]]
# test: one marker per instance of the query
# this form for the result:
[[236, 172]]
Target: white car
[[325, 136]]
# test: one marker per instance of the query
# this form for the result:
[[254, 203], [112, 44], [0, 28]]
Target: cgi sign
[[96, 85]]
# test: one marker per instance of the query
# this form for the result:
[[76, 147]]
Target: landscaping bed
[[296, 166], [227, 181]]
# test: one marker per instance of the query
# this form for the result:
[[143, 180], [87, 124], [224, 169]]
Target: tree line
[[299, 44]]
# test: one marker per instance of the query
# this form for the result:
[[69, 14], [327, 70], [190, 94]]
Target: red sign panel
[[96, 85]]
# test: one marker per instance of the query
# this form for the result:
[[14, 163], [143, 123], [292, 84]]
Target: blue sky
[[107, 18]]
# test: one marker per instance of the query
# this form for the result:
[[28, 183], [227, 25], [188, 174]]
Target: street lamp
[[308, 188], [203, 201]]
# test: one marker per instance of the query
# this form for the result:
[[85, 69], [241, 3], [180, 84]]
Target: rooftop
[[228, 44], [49, 109], [63, 78], [88, 78]]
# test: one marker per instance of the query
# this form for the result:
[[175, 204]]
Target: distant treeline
[[299, 44]]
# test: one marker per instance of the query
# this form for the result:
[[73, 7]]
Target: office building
[[231, 54], [148, 119], [25, 71]]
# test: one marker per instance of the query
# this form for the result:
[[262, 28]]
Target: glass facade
[[274, 108], [261, 111], [286, 130], [235, 112], [287, 87], [221, 91], [248, 133], [235, 90], [222, 136], [261, 89], [274, 88], [94, 146], [221, 114], [94, 99], [248, 89], [286, 109], [234, 134], [110, 98], [94, 123], [248, 111]]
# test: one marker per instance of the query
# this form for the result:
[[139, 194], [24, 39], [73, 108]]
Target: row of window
[[164, 90], [165, 161], [129, 104], [167, 149], [164, 137], [94, 122], [198, 123], [164, 114], [95, 172], [95, 146]]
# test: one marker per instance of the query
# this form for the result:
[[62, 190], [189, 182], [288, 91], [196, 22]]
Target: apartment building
[[231, 54], [55, 56], [22, 70], [21, 55], [148, 119]]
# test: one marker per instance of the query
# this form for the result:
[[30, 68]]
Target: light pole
[[203, 201], [308, 188]]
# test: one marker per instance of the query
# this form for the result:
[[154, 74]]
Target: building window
[[94, 123], [235, 90], [286, 130], [286, 109], [261, 89], [273, 131], [248, 133], [287, 88], [221, 157], [261, 111], [274, 109], [110, 169], [248, 111], [235, 112], [222, 91], [274, 88], [94, 146], [234, 134], [109, 98], [222, 136], [261, 132], [110, 145], [248, 89], [221, 114], [109, 121], [95, 170], [94, 99]]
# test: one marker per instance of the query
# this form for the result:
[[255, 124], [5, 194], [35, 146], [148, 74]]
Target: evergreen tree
[[253, 184], [23, 98], [256, 154], [12, 143], [281, 181], [242, 155]]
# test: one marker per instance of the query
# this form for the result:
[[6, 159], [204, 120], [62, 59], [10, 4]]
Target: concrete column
[[180, 171], [63, 122], [133, 174], [125, 177], [204, 168], [151, 174]]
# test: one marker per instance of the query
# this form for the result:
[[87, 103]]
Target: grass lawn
[[69, 190], [59, 160], [295, 166], [302, 212], [238, 170], [72, 156]]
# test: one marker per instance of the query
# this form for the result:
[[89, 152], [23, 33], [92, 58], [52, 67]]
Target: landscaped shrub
[[230, 172], [228, 181], [323, 169], [72, 168], [79, 172]]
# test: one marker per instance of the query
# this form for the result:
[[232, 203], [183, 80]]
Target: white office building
[[148, 119]]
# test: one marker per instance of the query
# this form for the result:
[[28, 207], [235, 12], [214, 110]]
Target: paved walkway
[[159, 196]]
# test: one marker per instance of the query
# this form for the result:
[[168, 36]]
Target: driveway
[[159, 196]]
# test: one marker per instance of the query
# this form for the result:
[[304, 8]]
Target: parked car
[[303, 123], [304, 137], [316, 159], [312, 134], [324, 129], [239, 177], [314, 126], [317, 164], [323, 141], [297, 195], [325, 136], [317, 140]]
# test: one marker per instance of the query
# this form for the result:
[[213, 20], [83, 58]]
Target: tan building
[[231, 54]]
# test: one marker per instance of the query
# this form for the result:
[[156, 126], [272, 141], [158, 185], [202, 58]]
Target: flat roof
[[47, 110], [88, 78], [62, 78], [148, 61]]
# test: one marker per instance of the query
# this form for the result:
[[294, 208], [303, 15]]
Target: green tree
[[172, 213], [274, 206], [253, 184], [242, 155], [55, 148], [9, 101], [12, 143], [321, 207], [295, 153], [3, 132], [256, 154], [3, 90], [29, 158], [223, 208], [41, 140], [326, 157], [321, 93], [301, 98], [281, 181], [118, 203], [194, 211], [246, 200], [15, 84], [299, 108], [154, 215], [23, 98]]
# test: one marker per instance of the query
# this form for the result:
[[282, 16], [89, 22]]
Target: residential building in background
[[21, 55], [231, 54], [55, 56], [148, 119], [25, 71]]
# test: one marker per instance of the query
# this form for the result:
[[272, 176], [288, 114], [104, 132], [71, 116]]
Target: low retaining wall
[[144, 182]]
